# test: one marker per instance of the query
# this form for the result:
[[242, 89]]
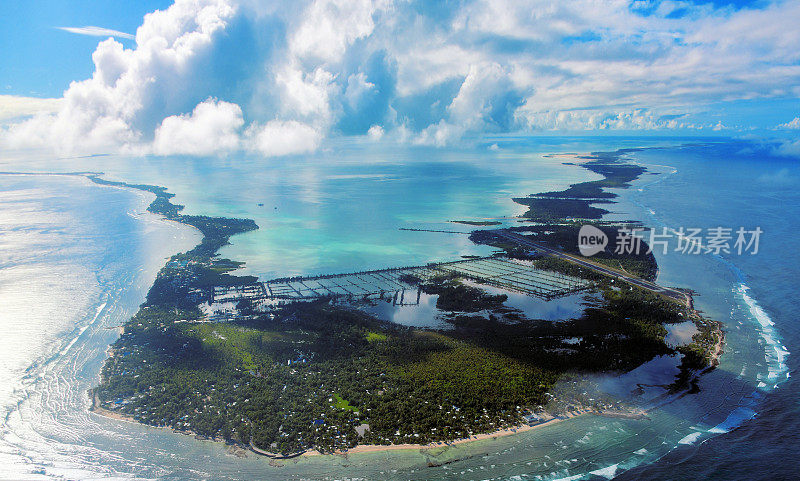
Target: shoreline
[[636, 414], [375, 448], [101, 411], [97, 409]]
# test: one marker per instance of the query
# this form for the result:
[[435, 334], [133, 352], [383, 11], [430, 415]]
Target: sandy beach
[[97, 409], [551, 420], [372, 448]]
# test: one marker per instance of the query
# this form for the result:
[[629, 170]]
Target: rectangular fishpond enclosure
[[511, 274]]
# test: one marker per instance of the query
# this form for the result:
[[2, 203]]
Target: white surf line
[[83, 329], [775, 351], [744, 412], [631, 158]]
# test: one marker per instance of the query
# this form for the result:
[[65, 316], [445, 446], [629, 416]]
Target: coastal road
[[650, 286]]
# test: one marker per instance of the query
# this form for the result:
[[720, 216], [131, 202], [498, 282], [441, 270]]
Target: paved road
[[651, 286]]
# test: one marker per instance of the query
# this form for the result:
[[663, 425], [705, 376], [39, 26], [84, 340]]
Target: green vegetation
[[556, 264], [410, 279], [560, 215], [576, 201], [340, 403], [187, 279], [455, 296], [617, 175], [554, 210], [564, 237], [699, 354], [376, 337], [307, 377]]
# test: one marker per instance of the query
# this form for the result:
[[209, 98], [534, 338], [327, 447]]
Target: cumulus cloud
[[277, 138], [96, 32], [375, 132], [719, 126], [793, 124], [132, 90], [306, 94], [212, 128], [329, 27], [358, 88], [15, 107], [603, 119], [278, 78]]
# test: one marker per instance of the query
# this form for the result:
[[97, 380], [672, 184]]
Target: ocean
[[76, 259]]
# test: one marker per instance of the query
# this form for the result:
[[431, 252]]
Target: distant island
[[477, 222], [323, 376]]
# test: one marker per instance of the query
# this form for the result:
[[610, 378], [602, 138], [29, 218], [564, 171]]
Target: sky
[[210, 77], [39, 60]]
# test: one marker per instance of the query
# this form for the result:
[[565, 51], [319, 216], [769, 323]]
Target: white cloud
[[788, 148], [429, 61], [600, 119], [424, 73], [329, 27], [212, 128], [96, 32], [482, 97], [793, 124], [375, 132], [719, 126], [781, 177], [357, 88], [77, 132], [131, 90], [306, 95], [277, 138], [13, 107]]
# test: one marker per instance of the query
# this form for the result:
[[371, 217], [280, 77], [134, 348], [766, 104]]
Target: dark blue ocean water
[[740, 184]]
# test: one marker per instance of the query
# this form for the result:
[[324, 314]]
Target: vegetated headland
[[325, 377]]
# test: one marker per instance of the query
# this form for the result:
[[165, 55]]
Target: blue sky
[[206, 77], [39, 60]]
